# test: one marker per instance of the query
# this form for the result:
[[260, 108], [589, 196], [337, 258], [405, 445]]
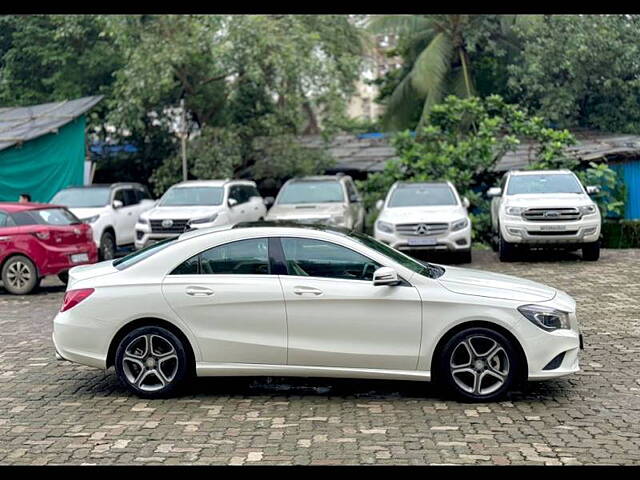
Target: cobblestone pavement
[[60, 413]]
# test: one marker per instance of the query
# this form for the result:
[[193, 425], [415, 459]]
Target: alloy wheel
[[150, 362], [19, 274], [479, 365]]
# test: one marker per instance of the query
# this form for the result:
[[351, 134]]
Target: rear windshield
[[45, 216], [139, 255], [321, 191], [422, 196], [188, 196], [556, 183], [82, 197]]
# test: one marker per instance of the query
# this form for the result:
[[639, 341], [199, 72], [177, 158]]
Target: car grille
[[422, 229], [178, 226], [552, 233], [551, 214]]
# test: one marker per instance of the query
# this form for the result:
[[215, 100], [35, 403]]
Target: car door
[[232, 302], [355, 206], [337, 318], [255, 206], [125, 217], [236, 212]]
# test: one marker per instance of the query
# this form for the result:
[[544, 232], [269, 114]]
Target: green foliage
[[613, 193], [462, 142], [581, 70], [621, 234]]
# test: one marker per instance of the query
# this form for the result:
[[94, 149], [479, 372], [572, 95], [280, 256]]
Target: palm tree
[[438, 61]]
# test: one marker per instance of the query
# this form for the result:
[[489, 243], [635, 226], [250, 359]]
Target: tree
[[581, 71], [438, 53], [462, 141]]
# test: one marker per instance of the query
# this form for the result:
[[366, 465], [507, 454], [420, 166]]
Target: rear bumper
[[58, 259]]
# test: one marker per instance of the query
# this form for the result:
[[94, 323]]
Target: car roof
[[212, 183], [316, 178], [538, 172], [410, 184], [12, 207], [105, 185], [279, 226]]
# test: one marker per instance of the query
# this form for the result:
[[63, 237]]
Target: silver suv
[[324, 199]]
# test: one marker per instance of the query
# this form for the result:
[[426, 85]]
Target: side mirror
[[592, 189], [354, 199], [268, 201], [380, 204], [465, 202], [385, 276], [232, 202], [494, 192], [117, 204]]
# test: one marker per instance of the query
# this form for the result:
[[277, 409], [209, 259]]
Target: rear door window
[[243, 257]]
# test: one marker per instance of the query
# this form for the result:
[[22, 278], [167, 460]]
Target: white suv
[[425, 216], [544, 208], [111, 210], [200, 204]]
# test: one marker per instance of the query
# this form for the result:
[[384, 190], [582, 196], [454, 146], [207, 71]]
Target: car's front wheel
[[107, 246], [152, 362], [478, 364], [20, 275], [505, 250], [591, 252]]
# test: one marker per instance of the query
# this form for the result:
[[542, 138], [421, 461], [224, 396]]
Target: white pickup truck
[[544, 209]]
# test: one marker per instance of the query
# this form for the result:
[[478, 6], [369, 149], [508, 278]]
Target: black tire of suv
[[107, 246], [505, 250], [591, 252], [464, 256], [446, 379], [183, 363]]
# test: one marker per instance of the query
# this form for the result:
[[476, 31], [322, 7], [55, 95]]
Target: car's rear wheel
[[107, 246], [152, 362], [591, 252], [478, 364], [19, 275]]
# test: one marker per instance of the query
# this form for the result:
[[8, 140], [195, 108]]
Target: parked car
[[324, 199], [425, 216], [111, 210], [544, 209], [199, 204], [259, 299], [39, 239]]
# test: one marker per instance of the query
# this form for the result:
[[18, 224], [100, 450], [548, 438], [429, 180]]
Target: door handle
[[198, 291], [307, 291]]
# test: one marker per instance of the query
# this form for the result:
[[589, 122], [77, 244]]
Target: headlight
[[143, 220], [459, 224], [208, 219], [384, 226], [588, 209], [514, 211], [91, 219], [547, 318]]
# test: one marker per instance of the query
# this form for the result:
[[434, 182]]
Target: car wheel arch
[[442, 341], [110, 230], [19, 254], [150, 322]]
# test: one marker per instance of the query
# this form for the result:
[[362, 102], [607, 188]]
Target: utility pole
[[183, 138]]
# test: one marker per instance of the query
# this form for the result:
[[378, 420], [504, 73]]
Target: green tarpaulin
[[44, 165]]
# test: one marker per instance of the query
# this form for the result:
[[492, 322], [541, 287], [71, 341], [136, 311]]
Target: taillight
[[74, 297]]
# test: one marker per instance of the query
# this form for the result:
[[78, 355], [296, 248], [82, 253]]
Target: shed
[[43, 148]]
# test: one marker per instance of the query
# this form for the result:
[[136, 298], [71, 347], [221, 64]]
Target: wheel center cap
[[479, 364], [150, 362]]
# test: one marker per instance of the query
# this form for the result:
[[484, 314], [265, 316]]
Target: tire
[[459, 368], [591, 252], [464, 256], [64, 277], [148, 373], [107, 246], [19, 275], [505, 250]]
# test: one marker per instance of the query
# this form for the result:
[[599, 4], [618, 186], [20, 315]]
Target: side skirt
[[204, 369]]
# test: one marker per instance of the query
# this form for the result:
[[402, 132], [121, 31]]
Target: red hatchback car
[[38, 239]]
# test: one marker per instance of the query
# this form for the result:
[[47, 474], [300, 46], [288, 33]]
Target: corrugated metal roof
[[20, 124]]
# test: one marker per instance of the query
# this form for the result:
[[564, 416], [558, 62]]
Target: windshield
[[422, 196], [139, 255], [556, 183], [46, 216], [321, 191], [82, 197], [187, 196], [426, 269]]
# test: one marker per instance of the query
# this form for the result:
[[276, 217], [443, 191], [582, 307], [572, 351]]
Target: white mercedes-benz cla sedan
[[281, 300]]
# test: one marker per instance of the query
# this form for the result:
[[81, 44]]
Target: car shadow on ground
[[41, 290]]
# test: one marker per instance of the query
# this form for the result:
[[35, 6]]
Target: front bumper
[[577, 232], [445, 241], [145, 237]]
